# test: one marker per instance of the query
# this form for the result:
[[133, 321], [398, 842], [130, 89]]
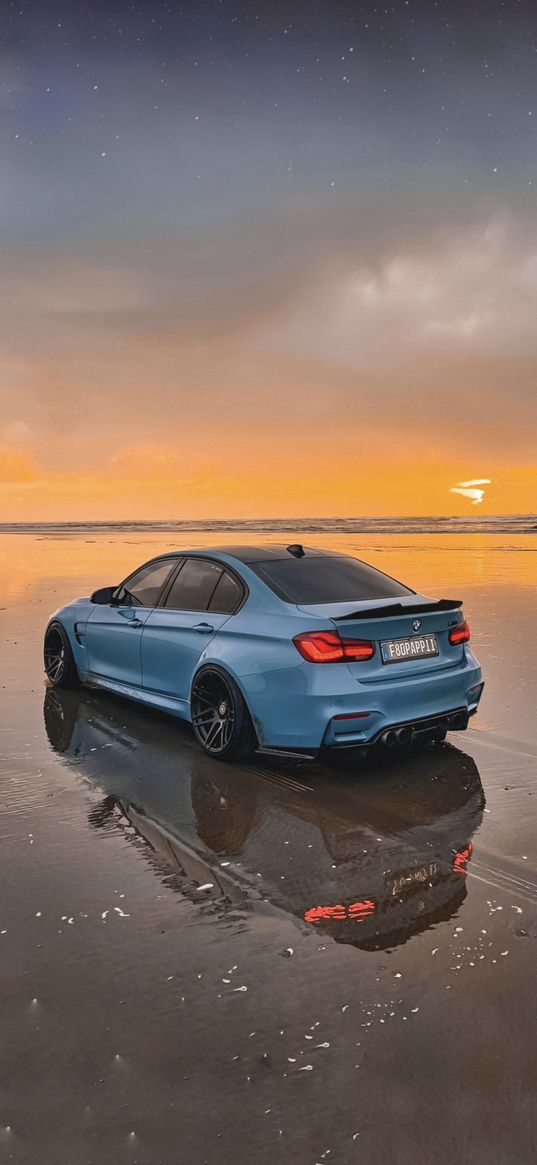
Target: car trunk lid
[[404, 623]]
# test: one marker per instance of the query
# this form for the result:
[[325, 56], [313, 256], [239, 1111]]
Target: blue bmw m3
[[274, 647]]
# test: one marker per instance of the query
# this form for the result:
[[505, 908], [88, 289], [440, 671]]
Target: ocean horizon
[[470, 524]]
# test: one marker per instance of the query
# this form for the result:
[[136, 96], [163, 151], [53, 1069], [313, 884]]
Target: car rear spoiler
[[402, 609]]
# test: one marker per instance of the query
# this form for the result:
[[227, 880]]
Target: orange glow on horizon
[[241, 479]]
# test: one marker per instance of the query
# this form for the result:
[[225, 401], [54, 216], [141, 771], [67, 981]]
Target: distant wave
[[510, 524]]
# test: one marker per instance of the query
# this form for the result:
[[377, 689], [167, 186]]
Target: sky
[[267, 258]]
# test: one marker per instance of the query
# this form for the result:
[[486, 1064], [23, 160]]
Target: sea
[[470, 524]]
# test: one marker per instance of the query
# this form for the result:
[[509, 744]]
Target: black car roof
[[246, 554], [265, 553]]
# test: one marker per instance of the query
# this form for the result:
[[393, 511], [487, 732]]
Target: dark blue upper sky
[[138, 104]]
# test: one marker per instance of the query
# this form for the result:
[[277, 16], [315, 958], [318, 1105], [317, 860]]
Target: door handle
[[203, 628], [135, 623]]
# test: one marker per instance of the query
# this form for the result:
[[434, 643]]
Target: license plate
[[417, 647], [414, 877]]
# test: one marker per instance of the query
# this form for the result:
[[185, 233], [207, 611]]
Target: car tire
[[60, 667], [221, 721]]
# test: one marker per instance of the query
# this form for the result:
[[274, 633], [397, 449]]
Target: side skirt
[[164, 703]]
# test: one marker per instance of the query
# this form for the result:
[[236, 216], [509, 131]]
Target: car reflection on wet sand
[[371, 853]]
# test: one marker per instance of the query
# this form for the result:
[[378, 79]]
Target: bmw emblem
[[416, 624]]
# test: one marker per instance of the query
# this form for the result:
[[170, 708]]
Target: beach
[[302, 962]]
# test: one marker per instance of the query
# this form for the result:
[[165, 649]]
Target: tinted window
[[143, 588], [227, 595], [193, 588], [327, 580]]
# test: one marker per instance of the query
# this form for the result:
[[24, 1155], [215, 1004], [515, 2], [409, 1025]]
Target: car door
[[113, 631], [201, 597]]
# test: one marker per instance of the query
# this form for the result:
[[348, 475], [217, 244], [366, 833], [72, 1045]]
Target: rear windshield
[[327, 580]]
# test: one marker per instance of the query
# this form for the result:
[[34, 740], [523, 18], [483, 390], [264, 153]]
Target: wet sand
[[293, 962]]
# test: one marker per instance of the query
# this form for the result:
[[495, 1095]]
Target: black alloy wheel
[[220, 718], [60, 666]]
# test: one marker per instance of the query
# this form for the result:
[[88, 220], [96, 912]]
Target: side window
[[143, 588], [193, 588], [227, 595]]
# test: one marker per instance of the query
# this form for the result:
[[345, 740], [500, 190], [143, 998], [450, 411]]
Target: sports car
[[273, 647]]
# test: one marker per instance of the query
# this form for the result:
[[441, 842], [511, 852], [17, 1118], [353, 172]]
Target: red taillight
[[329, 647], [460, 633]]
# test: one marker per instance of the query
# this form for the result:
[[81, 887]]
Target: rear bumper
[[452, 720], [311, 706]]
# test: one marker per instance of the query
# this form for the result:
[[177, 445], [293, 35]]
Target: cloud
[[476, 481], [419, 348], [467, 489], [477, 289]]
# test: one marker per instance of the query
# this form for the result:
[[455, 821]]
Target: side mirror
[[104, 596]]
